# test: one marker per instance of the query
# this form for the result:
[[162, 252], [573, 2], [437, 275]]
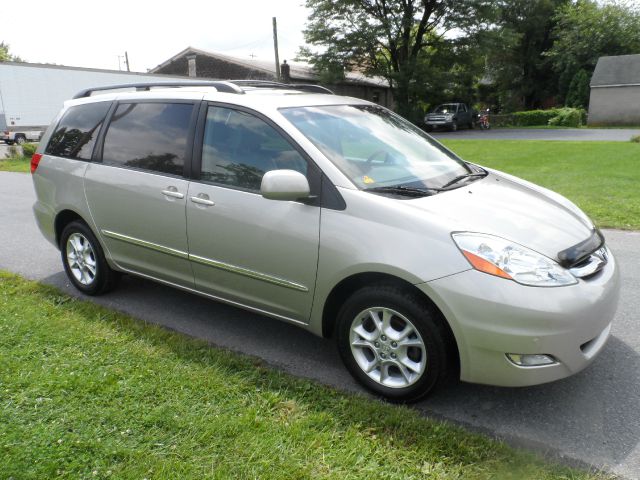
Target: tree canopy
[[384, 37], [5, 56], [510, 54], [587, 30]]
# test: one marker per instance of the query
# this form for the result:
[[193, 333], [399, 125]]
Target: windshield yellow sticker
[[367, 179]]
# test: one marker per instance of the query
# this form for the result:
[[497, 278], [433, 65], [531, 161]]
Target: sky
[[95, 34]]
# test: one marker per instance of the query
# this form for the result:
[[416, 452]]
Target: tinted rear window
[[151, 136], [76, 133]]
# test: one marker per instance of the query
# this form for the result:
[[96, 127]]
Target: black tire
[[21, 139], [426, 320], [471, 125], [104, 279], [454, 126]]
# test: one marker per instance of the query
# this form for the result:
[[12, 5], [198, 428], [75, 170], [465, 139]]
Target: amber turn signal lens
[[485, 266]]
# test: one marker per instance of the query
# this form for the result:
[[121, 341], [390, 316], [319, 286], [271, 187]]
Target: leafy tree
[[5, 56], [385, 38], [515, 51], [586, 30], [578, 93], [448, 72], [4, 52]]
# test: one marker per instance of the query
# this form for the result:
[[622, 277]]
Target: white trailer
[[32, 94]]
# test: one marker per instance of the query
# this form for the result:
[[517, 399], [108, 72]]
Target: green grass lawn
[[15, 164], [602, 178], [86, 392]]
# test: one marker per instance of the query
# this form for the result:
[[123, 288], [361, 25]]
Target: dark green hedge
[[564, 117]]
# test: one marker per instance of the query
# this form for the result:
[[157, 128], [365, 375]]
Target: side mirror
[[284, 185]]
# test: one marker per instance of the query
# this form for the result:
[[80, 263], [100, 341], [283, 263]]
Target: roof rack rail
[[221, 86], [307, 87]]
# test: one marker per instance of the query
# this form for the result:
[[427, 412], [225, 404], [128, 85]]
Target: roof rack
[[307, 87], [226, 86], [221, 86]]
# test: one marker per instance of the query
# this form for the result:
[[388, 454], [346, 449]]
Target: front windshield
[[376, 148]]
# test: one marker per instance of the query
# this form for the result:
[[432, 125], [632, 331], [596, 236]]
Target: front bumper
[[491, 317], [439, 123]]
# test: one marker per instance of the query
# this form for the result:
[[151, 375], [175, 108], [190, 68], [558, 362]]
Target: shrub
[[564, 117], [568, 117], [28, 149], [12, 152], [534, 117], [635, 139]]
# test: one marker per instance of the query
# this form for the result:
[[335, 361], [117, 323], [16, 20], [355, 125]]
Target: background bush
[[12, 152], [28, 149], [563, 117], [569, 117]]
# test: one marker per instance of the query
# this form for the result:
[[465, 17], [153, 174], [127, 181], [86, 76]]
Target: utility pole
[[126, 58], [275, 47]]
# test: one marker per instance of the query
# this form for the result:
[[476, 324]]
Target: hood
[[514, 209]]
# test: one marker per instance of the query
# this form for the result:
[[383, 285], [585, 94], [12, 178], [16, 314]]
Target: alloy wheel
[[81, 258], [388, 347]]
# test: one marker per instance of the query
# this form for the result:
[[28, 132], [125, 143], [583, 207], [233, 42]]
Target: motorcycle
[[484, 120]]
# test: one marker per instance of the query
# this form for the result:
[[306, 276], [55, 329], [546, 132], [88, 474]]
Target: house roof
[[298, 71], [617, 71]]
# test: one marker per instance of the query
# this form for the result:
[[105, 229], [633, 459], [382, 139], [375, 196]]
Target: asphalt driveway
[[562, 134], [593, 417]]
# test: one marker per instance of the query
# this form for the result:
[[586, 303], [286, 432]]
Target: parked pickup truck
[[450, 116], [20, 136]]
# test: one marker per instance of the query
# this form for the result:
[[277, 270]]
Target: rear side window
[[76, 133], [150, 136]]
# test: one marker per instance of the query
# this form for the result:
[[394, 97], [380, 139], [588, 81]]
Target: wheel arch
[[64, 218], [349, 285]]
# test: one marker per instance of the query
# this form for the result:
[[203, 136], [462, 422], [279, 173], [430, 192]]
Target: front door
[[244, 248]]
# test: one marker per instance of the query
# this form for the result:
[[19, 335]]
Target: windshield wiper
[[402, 190], [459, 178]]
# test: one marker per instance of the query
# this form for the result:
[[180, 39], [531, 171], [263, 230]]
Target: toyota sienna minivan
[[334, 214]]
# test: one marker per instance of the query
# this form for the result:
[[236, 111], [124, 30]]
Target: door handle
[[172, 192], [203, 199]]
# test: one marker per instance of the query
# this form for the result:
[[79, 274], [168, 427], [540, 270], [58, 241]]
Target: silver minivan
[[336, 215]]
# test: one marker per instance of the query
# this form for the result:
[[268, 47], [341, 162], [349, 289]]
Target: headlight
[[500, 257], [449, 116]]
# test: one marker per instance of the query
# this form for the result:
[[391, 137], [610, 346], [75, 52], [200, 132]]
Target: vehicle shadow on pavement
[[590, 418]]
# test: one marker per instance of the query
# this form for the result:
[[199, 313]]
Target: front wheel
[[21, 139], [454, 127], [84, 261], [392, 342]]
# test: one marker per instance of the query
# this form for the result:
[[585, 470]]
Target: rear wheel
[[84, 261], [21, 139], [392, 342]]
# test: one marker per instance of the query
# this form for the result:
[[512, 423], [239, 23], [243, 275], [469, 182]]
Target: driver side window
[[239, 148]]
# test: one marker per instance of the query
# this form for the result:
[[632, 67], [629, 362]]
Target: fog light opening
[[531, 359]]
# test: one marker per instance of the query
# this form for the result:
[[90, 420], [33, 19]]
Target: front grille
[[592, 264]]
